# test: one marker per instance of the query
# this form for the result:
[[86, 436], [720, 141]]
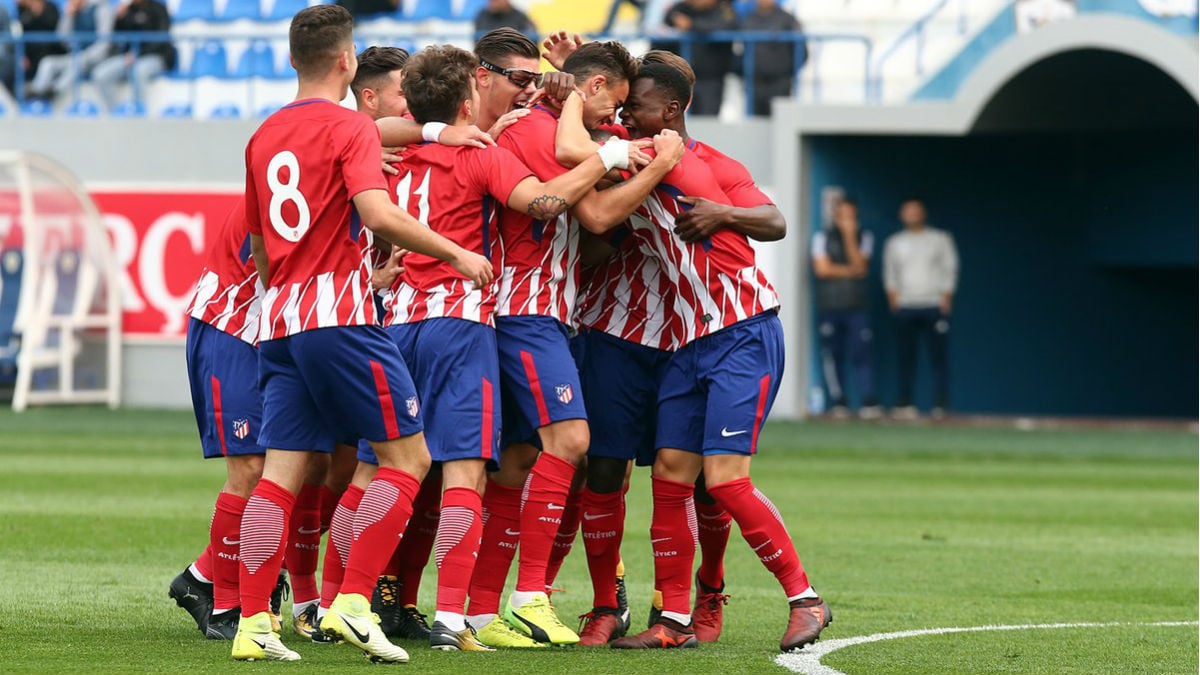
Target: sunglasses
[[518, 76]]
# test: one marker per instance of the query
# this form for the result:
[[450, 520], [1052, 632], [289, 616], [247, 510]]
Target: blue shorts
[[718, 390], [338, 384], [539, 383], [223, 372], [620, 385], [457, 373]]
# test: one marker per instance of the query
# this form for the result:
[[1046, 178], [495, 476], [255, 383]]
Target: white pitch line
[[808, 661]]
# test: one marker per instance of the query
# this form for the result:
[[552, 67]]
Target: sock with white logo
[[341, 533], [501, 532], [412, 554], [673, 539], [304, 545], [457, 546], [262, 536], [543, 505], [763, 529], [712, 523], [224, 541], [384, 511], [564, 539], [603, 528]]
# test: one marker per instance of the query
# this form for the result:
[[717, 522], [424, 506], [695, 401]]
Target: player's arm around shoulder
[[599, 212]]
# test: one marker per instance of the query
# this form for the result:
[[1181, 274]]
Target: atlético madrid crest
[[413, 406], [565, 393], [241, 428]]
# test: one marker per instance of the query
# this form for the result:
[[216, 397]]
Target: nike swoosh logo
[[594, 516], [305, 530], [228, 542], [261, 645], [761, 545], [555, 507], [511, 533], [359, 636], [726, 433], [655, 541]]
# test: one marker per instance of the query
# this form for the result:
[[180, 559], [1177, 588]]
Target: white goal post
[[60, 310]]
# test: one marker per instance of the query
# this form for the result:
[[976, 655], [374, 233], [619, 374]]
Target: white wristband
[[615, 154], [432, 130]]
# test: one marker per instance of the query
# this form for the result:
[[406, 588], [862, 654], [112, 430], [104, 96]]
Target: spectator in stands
[[7, 65], [57, 73], [140, 62], [37, 16], [841, 260], [360, 8], [501, 14], [920, 272], [774, 62], [710, 60]]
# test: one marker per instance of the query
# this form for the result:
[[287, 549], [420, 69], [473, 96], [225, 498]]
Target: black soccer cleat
[[223, 626], [282, 592], [194, 596]]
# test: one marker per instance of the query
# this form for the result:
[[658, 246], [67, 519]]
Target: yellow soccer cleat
[[537, 619], [350, 618], [255, 641], [501, 635], [305, 625], [443, 638]]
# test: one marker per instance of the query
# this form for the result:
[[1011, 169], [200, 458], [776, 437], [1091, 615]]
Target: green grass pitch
[[900, 528]]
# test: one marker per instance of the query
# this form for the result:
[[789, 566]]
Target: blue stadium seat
[[470, 8], [209, 60], [83, 108], [12, 262], [226, 111], [425, 9], [257, 61], [129, 109], [270, 109], [286, 71], [241, 9], [193, 9], [285, 9], [37, 108], [177, 111]]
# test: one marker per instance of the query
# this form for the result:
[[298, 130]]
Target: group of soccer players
[[464, 351]]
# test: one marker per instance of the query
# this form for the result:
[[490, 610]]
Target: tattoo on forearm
[[547, 206]]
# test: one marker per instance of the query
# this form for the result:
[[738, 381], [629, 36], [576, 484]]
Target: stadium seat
[[83, 108], [285, 9], [226, 111], [177, 111], [11, 267], [269, 109], [37, 108], [209, 60], [193, 9], [469, 9], [423, 10], [257, 61], [129, 109], [241, 9]]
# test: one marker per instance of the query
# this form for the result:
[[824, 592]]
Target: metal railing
[[688, 43], [916, 34]]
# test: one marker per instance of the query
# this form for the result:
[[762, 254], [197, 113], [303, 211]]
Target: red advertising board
[[160, 240]]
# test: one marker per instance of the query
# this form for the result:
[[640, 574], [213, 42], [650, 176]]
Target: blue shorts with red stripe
[[337, 384], [718, 390], [539, 381], [620, 386], [223, 372]]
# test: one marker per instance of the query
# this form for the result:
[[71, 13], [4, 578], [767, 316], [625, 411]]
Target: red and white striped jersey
[[717, 282], [228, 294], [540, 274], [630, 297], [457, 192], [303, 166], [732, 177]]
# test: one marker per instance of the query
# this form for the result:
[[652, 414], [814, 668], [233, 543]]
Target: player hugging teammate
[[527, 311]]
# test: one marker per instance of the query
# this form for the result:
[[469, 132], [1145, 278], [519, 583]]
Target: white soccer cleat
[[255, 641], [350, 618]]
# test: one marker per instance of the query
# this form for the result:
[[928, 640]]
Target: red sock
[[341, 534], [564, 538], [713, 529], [304, 544], [263, 539], [382, 516], [673, 538], [459, 531], [501, 532], [223, 538], [329, 502], [412, 555], [603, 527], [542, 508], [204, 562], [762, 527]]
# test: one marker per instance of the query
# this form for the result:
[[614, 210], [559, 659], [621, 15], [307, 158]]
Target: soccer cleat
[[194, 596], [808, 617], [411, 624], [622, 599], [499, 634], [666, 634], [708, 614], [441, 637], [223, 626], [350, 618], [385, 602], [255, 641], [306, 624], [600, 626], [281, 593], [537, 619], [655, 609]]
